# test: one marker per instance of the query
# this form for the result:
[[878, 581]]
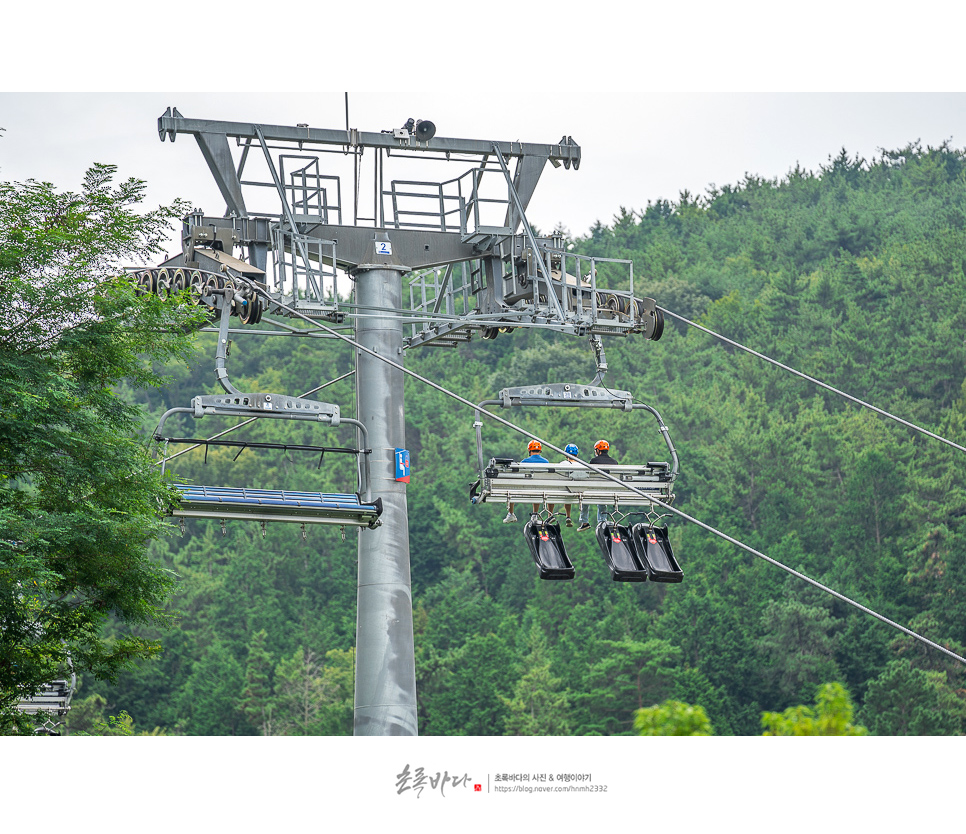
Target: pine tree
[[538, 707], [256, 699]]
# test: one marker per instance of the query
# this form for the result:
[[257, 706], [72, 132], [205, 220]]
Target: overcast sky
[[636, 147]]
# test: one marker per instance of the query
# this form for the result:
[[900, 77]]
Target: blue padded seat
[[276, 505]]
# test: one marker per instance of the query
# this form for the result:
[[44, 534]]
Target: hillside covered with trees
[[855, 274]]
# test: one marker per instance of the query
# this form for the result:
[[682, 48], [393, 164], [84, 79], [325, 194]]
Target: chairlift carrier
[[264, 505], [51, 701], [509, 481]]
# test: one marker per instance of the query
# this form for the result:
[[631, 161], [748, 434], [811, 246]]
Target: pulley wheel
[[145, 283], [179, 281], [251, 311], [211, 283], [196, 284], [163, 283]]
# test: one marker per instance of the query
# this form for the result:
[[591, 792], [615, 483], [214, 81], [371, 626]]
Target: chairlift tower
[[470, 260]]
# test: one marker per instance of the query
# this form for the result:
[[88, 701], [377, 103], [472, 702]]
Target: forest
[[854, 273]]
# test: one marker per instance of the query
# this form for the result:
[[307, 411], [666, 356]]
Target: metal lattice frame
[[472, 226]]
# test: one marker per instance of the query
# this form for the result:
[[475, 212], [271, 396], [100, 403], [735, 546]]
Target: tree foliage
[[905, 701], [853, 273], [832, 716], [672, 718], [78, 492], [538, 706]]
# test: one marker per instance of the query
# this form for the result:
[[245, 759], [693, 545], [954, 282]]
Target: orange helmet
[[534, 446], [601, 446]]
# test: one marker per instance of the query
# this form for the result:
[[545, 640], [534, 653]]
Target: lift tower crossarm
[[172, 123]]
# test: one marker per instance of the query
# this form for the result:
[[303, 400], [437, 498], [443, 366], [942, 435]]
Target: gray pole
[[385, 686]]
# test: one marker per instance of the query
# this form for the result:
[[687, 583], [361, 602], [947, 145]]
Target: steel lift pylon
[[473, 265]]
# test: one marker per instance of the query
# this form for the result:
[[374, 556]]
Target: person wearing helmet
[[601, 458], [571, 452], [602, 453], [534, 447]]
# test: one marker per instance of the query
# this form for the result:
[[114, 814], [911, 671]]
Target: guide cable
[[607, 475], [815, 381]]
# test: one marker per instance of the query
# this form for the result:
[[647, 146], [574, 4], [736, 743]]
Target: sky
[[636, 147]]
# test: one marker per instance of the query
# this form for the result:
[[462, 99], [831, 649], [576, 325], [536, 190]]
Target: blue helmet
[[571, 449]]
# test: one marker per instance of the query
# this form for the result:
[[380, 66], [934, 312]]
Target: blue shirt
[[535, 459]]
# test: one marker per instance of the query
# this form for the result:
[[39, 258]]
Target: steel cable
[[815, 381], [625, 485]]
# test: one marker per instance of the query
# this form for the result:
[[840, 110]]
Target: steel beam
[[525, 179], [173, 123], [215, 150]]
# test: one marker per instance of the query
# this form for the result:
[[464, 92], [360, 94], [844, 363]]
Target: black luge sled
[[547, 548], [615, 544], [654, 550]]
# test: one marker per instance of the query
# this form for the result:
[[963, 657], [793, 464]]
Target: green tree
[[299, 693], [538, 706], [462, 691], [628, 674], [84, 715], [799, 646], [905, 701], [692, 687], [832, 716], [209, 701], [78, 493], [315, 697], [672, 718], [87, 718], [256, 699], [338, 693]]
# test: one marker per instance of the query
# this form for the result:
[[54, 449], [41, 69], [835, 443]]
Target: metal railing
[[454, 205], [310, 282], [440, 294], [309, 191]]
